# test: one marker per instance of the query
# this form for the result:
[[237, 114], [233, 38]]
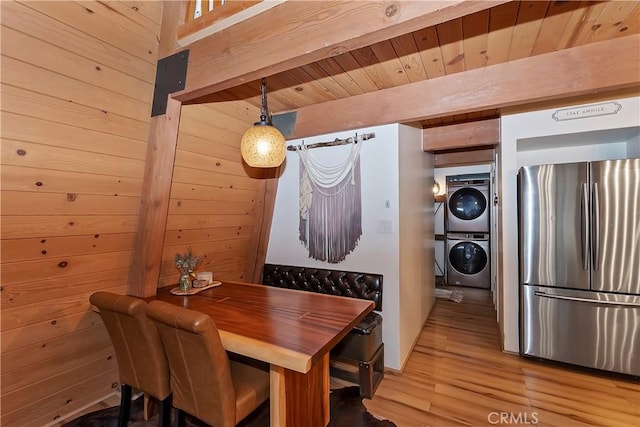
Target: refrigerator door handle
[[589, 300], [595, 227], [584, 228]]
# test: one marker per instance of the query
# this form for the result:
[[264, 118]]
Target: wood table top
[[284, 327]]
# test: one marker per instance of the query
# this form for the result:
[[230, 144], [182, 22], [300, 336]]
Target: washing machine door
[[468, 257], [467, 203]]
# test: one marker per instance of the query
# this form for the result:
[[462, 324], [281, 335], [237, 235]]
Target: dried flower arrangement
[[186, 263]]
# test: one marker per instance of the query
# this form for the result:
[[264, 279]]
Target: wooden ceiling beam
[[462, 158], [602, 66], [461, 135], [297, 33]]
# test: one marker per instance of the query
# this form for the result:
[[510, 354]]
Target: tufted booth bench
[[363, 346]]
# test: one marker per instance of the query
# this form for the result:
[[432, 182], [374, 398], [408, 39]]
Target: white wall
[[535, 137], [401, 196], [633, 146], [416, 256], [376, 252]]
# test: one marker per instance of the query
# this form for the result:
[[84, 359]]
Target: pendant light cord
[[264, 113]]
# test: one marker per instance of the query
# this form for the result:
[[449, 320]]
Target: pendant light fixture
[[263, 146]]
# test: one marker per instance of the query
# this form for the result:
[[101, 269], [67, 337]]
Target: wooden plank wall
[[77, 83], [216, 204]]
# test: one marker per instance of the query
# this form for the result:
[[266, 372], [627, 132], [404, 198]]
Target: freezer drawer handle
[[593, 301]]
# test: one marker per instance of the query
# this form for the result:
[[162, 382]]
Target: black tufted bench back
[[363, 345], [333, 282]]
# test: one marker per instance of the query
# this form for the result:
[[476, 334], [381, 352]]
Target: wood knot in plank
[[391, 10]]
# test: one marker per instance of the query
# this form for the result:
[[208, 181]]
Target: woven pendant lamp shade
[[263, 146]]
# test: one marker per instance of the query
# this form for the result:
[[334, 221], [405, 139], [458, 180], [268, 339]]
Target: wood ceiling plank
[[476, 31], [501, 21], [353, 68], [390, 62], [527, 28], [450, 37], [315, 30], [462, 135], [372, 67], [282, 90], [570, 30], [511, 83], [321, 77], [586, 24], [251, 93], [610, 20], [429, 48], [560, 15], [631, 25], [309, 85], [407, 51], [332, 68]]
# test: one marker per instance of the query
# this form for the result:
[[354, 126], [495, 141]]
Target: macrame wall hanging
[[330, 222]]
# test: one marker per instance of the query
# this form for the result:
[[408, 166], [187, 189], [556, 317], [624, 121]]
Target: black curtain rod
[[335, 142]]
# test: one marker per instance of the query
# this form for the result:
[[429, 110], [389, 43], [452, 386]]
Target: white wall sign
[[585, 111]]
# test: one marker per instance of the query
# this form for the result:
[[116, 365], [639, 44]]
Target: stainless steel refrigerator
[[579, 248]]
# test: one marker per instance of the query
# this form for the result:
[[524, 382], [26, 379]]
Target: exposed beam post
[[463, 135], [158, 173], [161, 153], [466, 157], [570, 72]]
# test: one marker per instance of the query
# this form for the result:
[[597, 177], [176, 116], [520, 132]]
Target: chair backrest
[[141, 360], [200, 368]]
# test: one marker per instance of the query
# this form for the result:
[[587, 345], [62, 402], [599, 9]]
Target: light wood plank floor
[[457, 375]]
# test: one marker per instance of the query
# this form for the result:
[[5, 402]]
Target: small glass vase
[[185, 282]]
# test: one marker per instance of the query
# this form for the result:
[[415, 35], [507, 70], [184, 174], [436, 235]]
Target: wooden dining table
[[291, 330]]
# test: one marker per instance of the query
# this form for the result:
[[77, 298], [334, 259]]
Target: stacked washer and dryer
[[467, 228]]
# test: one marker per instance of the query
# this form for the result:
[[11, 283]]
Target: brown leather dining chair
[[204, 381], [142, 363]]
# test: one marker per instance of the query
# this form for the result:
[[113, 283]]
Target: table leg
[[300, 400]]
